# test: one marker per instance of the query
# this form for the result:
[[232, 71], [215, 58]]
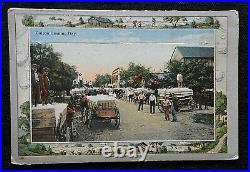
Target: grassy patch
[[224, 148]]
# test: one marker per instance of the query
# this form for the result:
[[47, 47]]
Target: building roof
[[100, 19], [196, 52]]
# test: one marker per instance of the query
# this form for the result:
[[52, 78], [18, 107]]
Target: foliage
[[216, 24], [134, 74], [81, 20], [28, 21], [101, 80], [197, 75], [119, 20], [221, 131], [25, 108], [220, 103], [174, 20], [52, 18], [61, 74], [162, 149], [153, 21], [220, 124], [23, 121], [33, 150], [69, 24], [40, 24], [22, 140], [194, 24], [210, 21]]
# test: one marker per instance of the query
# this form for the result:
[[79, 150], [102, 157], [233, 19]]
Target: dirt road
[[145, 126]]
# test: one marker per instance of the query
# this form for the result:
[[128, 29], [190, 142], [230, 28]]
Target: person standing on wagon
[[44, 85], [141, 98], [179, 80], [166, 107]]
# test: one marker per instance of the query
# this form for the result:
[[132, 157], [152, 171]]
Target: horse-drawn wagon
[[101, 108], [66, 130]]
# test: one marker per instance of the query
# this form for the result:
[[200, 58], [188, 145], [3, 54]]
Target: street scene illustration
[[122, 85]]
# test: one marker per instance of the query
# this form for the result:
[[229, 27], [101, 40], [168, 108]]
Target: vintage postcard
[[123, 85]]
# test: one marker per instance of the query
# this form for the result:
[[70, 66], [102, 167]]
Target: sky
[[99, 51]]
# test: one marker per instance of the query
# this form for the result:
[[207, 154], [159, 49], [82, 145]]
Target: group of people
[[152, 102], [169, 106], [40, 85]]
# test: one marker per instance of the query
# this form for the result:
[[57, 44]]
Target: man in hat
[[35, 87], [141, 98], [44, 85]]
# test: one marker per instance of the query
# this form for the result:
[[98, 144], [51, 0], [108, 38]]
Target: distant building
[[187, 54], [99, 21]]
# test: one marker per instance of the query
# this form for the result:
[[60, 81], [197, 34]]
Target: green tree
[[28, 21], [101, 80], [174, 20], [135, 73], [61, 74]]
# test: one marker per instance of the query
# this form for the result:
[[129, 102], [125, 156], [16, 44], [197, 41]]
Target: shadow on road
[[204, 118]]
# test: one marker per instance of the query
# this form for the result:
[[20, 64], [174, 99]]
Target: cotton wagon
[[184, 96], [102, 108]]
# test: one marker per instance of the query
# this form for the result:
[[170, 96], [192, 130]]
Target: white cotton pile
[[100, 98], [58, 107]]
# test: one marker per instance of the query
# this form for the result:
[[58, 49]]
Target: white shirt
[[152, 98]]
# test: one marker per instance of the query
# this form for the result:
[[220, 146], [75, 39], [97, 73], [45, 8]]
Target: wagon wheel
[[89, 120], [191, 105], [89, 123], [117, 120], [85, 116], [160, 107], [68, 134]]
